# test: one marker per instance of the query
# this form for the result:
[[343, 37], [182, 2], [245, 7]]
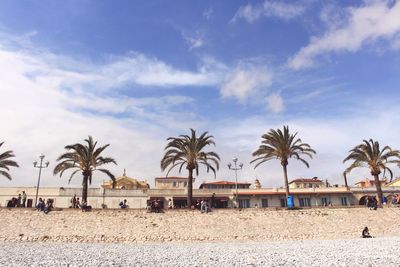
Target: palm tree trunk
[[345, 179], [85, 188], [284, 166], [190, 188], [378, 190]]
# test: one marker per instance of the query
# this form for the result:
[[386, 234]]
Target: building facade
[[221, 198], [171, 182]]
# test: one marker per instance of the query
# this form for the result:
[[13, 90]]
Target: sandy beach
[[249, 225]]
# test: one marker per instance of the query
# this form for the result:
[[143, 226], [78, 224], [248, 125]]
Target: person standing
[[23, 199]]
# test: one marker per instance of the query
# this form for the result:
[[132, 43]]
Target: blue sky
[[132, 73]]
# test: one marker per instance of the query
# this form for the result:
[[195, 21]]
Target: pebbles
[[137, 226], [345, 252]]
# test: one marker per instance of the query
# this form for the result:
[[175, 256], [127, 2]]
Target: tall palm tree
[[282, 145], [6, 162], [187, 151], [86, 158], [368, 154]]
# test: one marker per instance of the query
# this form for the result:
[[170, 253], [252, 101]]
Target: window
[[264, 203], [244, 203], [174, 184], [184, 184], [305, 202], [324, 201], [283, 202], [344, 201]]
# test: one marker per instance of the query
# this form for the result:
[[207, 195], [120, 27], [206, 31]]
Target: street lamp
[[236, 168], [40, 167]]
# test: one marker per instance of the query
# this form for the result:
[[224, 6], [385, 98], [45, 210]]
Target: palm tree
[[368, 154], [86, 158], [188, 151], [6, 162], [282, 145]]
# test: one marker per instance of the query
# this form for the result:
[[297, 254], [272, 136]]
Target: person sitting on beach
[[123, 205], [41, 205], [86, 207], [365, 233], [48, 207]]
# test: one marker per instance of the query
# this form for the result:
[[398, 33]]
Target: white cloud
[[245, 82], [373, 21], [275, 103], [50, 100], [269, 8]]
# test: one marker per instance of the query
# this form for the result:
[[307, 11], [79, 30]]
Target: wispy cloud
[[193, 41], [373, 21], [208, 13], [275, 103], [271, 9]]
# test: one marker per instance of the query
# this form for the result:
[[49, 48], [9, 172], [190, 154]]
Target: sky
[[133, 73]]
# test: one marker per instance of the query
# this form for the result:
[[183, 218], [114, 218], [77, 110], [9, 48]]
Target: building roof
[[125, 180], [225, 183], [366, 180], [393, 182], [306, 180], [172, 178]]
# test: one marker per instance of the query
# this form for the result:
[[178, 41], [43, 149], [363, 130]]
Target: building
[[366, 183], [224, 185], [306, 183], [395, 183], [171, 182], [125, 183], [222, 198]]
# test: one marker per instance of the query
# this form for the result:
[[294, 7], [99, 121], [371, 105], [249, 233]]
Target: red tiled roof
[[306, 180]]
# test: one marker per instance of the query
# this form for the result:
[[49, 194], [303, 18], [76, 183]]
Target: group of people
[[45, 206], [154, 206], [203, 206], [19, 201], [76, 204], [372, 203], [123, 204]]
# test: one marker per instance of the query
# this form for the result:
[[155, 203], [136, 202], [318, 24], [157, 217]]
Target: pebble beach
[[345, 252], [250, 237]]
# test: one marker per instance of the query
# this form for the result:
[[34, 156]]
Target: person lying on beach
[[365, 233]]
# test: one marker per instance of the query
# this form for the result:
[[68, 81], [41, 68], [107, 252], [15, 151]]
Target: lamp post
[[235, 168], [40, 167]]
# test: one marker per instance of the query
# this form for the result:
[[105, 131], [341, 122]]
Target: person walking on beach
[[23, 199]]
